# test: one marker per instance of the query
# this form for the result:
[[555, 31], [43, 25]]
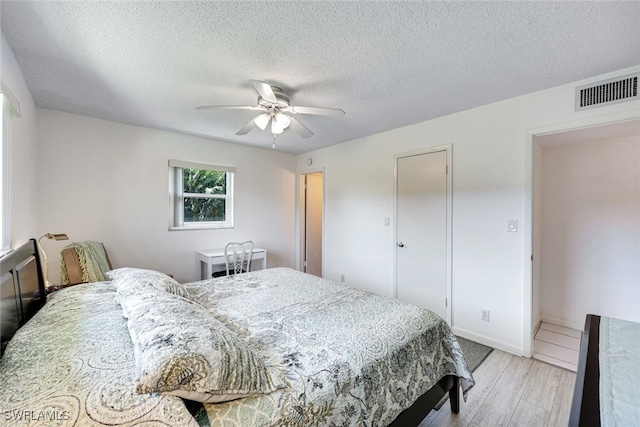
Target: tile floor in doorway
[[557, 345]]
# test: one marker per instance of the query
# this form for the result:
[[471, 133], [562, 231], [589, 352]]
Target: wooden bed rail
[[585, 408], [413, 415]]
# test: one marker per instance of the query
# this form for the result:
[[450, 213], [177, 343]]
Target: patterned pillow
[[125, 278], [182, 349]]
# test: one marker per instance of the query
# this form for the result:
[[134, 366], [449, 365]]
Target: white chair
[[237, 257]]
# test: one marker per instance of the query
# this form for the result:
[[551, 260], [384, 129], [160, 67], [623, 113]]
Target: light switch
[[387, 221], [513, 226]]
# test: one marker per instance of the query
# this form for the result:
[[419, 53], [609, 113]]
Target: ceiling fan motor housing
[[283, 100]]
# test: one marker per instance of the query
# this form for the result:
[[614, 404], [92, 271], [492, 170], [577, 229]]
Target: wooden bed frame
[[585, 408], [23, 294], [413, 415], [22, 291]]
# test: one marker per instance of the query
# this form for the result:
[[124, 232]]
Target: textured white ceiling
[[387, 64]]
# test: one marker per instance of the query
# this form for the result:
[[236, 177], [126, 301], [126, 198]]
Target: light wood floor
[[512, 391]]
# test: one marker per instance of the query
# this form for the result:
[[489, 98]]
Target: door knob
[[400, 245]]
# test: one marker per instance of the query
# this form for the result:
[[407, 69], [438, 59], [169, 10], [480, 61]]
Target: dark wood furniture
[[413, 415], [22, 291], [585, 408]]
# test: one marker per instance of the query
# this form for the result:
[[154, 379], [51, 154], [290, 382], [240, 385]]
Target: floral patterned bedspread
[[351, 357], [73, 364]]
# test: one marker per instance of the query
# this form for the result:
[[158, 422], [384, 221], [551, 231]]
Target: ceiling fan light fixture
[[279, 123], [284, 119], [262, 121], [275, 129]]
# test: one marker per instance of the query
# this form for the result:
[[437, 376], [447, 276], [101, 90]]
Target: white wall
[[23, 168], [108, 181], [591, 230], [490, 187]]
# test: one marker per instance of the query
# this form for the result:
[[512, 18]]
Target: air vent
[[607, 92]]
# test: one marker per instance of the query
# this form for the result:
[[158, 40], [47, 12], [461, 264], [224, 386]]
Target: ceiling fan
[[276, 109]]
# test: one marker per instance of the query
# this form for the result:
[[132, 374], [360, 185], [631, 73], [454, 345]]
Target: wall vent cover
[[607, 92]]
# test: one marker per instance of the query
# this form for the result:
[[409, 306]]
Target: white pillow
[[124, 279], [183, 350]]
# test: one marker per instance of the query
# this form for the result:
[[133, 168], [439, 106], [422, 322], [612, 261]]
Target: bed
[[325, 353], [606, 390]]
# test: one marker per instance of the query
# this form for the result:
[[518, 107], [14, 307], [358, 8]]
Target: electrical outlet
[[342, 277], [484, 315]]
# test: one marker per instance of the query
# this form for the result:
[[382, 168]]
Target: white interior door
[[421, 231], [313, 224]]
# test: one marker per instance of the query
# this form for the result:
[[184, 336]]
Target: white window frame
[[4, 178], [10, 109], [177, 195]]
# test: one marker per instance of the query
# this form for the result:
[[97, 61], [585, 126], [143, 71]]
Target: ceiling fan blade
[[246, 128], [299, 128], [228, 107], [264, 90], [333, 112]]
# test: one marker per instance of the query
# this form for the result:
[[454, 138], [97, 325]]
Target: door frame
[[530, 253], [448, 148], [301, 212]]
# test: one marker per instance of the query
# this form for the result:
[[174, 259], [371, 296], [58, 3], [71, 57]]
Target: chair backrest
[[73, 271], [237, 257]]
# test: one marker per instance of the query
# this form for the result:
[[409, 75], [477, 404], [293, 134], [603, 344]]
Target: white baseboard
[[481, 339], [561, 322]]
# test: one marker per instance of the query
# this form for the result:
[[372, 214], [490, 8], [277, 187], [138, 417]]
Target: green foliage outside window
[[205, 182]]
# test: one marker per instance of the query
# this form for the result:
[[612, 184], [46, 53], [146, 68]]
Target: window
[[3, 180], [10, 109], [201, 196]]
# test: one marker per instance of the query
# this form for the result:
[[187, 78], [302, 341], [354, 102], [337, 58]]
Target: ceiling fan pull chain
[[273, 147]]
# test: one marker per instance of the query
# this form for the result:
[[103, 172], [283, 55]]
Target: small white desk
[[209, 258]]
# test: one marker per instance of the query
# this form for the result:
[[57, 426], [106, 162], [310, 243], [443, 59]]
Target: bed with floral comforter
[[73, 364], [328, 354], [351, 357]]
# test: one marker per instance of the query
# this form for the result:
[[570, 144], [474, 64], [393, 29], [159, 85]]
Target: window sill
[[201, 227]]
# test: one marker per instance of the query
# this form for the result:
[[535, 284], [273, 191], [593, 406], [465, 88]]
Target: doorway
[[423, 229], [586, 233], [311, 224]]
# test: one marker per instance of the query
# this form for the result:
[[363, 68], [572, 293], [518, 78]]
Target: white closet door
[[421, 247]]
